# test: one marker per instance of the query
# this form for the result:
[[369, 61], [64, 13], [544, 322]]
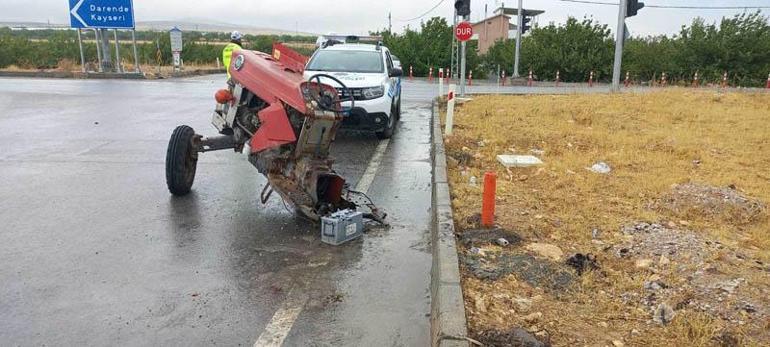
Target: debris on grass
[[601, 168], [510, 161], [583, 262], [725, 203], [663, 314]]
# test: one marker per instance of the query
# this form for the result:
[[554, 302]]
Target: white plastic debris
[[502, 242], [473, 181], [601, 168], [518, 160]]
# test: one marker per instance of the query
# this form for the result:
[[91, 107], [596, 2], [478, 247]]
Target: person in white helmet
[[227, 53]]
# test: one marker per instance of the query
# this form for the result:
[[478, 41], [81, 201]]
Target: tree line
[[45, 49], [738, 45]]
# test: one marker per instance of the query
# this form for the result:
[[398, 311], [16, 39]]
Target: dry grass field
[[672, 247]]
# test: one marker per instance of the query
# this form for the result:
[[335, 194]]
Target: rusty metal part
[[216, 143]]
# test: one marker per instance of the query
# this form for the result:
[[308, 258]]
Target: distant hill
[[215, 27], [185, 25]]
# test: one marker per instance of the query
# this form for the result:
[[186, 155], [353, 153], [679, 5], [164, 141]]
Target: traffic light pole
[[452, 59], [518, 39], [619, 37], [462, 69]]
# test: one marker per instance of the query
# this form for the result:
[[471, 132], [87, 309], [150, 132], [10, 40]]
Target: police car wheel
[[391, 127]]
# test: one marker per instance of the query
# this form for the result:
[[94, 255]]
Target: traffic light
[[463, 7], [525, 26], [633, 7]]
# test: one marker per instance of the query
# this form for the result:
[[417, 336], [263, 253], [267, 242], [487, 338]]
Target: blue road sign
[[103, 14]]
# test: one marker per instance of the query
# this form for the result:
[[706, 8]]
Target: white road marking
[[283, 319], [374, 165], [279, 326]]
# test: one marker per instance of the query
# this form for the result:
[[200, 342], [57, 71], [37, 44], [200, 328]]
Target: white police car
[[368, 71]]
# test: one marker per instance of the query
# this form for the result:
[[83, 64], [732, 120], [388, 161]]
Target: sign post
[[176, 46], [82, 58], [117, 53], [103, 14], [463, 33]]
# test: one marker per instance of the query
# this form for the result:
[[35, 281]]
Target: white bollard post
[[450, 110], [440, 82]]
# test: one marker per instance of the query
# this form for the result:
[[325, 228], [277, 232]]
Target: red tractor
[[285, 124]]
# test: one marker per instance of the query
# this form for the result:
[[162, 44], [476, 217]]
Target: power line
[[707, 7], [673, 6], [424, 14]]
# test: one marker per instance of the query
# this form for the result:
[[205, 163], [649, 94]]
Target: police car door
[[394, 83]]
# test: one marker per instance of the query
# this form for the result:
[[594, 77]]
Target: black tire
[[391, 127], [181, 161], [398, 109]]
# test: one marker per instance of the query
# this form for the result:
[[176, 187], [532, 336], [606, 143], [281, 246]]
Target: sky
[[362, 16]]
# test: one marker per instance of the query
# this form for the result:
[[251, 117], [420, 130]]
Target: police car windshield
[[347, 61]]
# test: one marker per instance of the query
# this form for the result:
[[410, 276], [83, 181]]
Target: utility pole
[[462, 9], [628, 8], [390, 23], [453, 59], [519, 24], [619, 34]]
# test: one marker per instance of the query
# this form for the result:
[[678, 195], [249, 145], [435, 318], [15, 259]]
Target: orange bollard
[[627, 82], [558, 77], [529, 79], [411, 75], [470, 78], [488, 201], [768, 82], [695, 82], [430, 74], [724, 80], [591, 79], [502, 81]]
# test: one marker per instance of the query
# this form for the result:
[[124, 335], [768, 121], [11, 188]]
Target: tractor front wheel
[[181, 160]]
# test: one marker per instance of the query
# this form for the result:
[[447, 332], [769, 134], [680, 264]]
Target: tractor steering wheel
[[325, 101]]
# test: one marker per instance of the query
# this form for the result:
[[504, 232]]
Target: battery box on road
[[342, 226]]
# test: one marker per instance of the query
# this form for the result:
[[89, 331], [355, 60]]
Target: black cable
[[672, 6], [422, 15]]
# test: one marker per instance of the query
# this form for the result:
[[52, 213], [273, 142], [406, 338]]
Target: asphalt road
[[95, 251]]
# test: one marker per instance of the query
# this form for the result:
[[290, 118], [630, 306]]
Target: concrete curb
[[448, 325]]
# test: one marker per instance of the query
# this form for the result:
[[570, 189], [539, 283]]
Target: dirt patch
[[481, 237], [516, 337], [691, 200], [492, 265]]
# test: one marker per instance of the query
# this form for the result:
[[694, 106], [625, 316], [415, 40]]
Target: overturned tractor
[[285, 124]]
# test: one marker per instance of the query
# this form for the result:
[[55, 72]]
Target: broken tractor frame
[[285, 125]]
